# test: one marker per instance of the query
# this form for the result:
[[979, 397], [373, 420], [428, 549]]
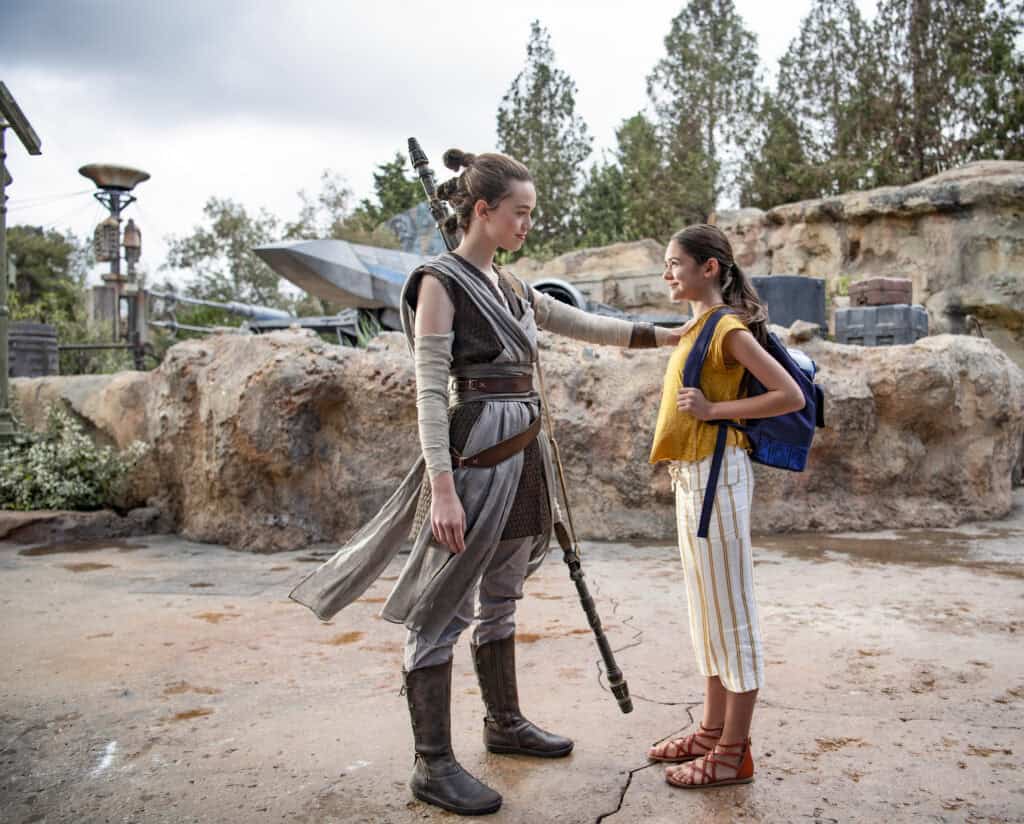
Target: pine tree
[[538, 124], [649, 212], [825, 99], [396, 190], [601, 206], [777, 170], [705, 92], [954, 73]]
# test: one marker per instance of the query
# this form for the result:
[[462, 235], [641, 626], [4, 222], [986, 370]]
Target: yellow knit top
[[679, 436]]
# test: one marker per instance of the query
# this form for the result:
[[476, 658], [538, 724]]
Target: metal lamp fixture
[[115, 184]]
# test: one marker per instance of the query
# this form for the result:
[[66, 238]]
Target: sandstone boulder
[[275, 441]]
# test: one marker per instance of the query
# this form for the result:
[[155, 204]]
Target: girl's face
[[507, 224], [686, 278]]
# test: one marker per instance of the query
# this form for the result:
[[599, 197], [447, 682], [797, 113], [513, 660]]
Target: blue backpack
[[783, 441]]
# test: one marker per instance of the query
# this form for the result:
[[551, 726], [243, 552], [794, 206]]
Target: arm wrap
[[562, 319], [433, 354]]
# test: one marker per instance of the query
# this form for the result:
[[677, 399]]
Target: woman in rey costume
[[480, 502]]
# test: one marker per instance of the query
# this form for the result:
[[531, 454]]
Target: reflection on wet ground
[[120, 544], [997, 549]]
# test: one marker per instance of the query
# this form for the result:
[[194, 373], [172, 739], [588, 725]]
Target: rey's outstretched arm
[[562, 319]]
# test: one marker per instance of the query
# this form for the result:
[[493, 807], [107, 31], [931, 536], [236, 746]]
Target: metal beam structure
[[11, 117]]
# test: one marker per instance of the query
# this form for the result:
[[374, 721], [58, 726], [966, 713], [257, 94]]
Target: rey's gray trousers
[[492, 602]]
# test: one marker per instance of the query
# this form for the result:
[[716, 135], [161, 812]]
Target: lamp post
[[12, 117], [115, 184]]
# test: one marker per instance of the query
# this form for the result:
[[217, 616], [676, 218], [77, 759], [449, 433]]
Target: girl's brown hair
[[703, 242], [488, 177]]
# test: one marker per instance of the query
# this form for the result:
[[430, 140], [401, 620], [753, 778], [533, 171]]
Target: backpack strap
[[691, 379]]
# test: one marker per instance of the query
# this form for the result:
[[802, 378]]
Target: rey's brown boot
[[437, 778], [505, 728]]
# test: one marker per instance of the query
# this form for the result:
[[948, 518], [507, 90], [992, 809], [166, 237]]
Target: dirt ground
[[158, 680]]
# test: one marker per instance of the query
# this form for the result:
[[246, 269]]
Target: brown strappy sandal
[[683, 747], [742, 762]]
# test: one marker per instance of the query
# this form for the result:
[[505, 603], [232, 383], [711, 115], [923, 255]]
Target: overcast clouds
[[253, 100]]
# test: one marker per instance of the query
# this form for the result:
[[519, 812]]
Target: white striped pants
[[719, 570]]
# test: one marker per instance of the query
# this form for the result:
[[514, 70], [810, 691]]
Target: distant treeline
[[924, 86]]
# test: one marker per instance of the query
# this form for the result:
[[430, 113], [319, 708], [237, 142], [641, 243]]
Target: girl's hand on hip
[[448, 520], [693, 402]]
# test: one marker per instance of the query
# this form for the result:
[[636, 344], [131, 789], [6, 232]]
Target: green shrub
[[61, 468]]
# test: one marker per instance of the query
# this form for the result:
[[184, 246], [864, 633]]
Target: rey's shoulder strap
[[524, 291]]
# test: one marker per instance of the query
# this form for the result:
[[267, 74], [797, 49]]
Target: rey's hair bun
[[456, 159], [488, 177]]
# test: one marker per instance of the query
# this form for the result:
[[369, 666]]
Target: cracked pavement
[[155, 679]]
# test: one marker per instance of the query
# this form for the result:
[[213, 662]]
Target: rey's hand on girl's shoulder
[[693, 402], [448, 519], [668, 337]]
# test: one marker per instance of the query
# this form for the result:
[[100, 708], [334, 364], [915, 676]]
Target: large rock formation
[[275, 441], [959, 236]]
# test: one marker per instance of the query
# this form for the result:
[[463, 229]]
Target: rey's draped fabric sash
[[434, 581]]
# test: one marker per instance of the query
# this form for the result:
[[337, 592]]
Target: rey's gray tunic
[[435, 581]]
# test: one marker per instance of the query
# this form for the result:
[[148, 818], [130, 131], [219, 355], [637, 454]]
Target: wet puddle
[[81, 546], [999, 550], [190, 714], [86, 567], [344, 638]]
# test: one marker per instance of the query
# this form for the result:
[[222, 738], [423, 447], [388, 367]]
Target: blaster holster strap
[[501, 451]]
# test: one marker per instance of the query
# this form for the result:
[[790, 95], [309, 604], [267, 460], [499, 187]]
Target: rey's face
[[507, 224]]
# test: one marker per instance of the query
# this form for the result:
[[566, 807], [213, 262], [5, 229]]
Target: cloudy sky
[[252, 99]]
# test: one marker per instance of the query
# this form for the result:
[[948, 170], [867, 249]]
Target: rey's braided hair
[[487, 177]]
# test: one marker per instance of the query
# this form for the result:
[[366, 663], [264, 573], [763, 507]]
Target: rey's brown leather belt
[[516, 385], [503, 450]]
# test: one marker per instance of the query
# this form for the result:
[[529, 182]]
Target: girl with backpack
[[718, 569]]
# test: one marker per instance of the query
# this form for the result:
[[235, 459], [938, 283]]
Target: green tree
[[329, 213], [777, 170], [825, 106], [954, 70], [538, 124], [705, 93], [51, 288], [51, 270], [602, 206], [219, 255], [396, 188], [648, 211]]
